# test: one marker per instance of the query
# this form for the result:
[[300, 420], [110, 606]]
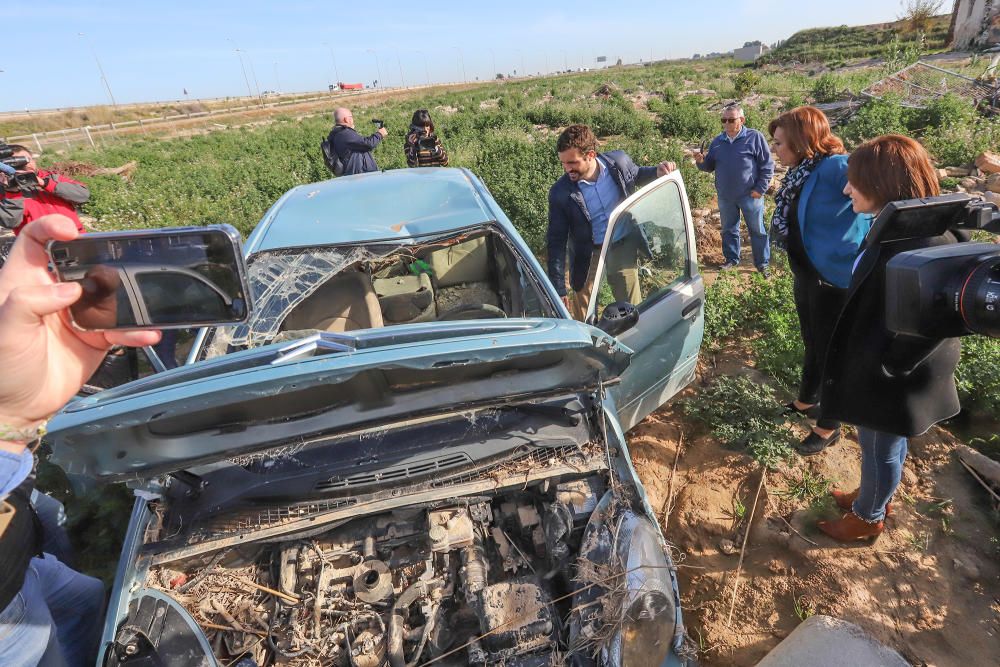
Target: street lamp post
[[378, 68], [427, 71], [253, 73], [100, 69], [524, 72], [333, 59], [494, 56], [400, 64], [461, 60], [242, 66]]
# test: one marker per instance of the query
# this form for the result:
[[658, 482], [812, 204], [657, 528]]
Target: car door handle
[[691, 310]]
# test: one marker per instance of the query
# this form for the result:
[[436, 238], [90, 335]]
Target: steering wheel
[[471, 311]]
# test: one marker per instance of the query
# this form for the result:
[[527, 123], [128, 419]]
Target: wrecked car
[[410, 454]]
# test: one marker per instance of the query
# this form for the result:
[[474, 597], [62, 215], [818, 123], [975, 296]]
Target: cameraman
[[422, 146], [353, 150], [49, 614], [34, 192], [891, 386]]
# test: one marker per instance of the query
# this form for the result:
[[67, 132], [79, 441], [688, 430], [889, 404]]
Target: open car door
[[649, 260]]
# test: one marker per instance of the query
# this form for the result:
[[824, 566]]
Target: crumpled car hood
[[287, 392]]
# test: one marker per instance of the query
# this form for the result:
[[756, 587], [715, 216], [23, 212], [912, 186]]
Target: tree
[[918, 13]]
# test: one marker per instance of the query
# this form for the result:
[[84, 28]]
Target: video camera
[[943, 291], [378, 123], [10, 177]]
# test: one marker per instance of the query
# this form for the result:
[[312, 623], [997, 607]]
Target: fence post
[[37, 142], [86, 131]]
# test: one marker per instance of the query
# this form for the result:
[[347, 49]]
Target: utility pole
[[242, 66]]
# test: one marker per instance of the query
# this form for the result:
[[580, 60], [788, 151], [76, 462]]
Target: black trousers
[[818, 305]]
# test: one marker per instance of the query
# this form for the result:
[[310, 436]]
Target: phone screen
[[159, 279]]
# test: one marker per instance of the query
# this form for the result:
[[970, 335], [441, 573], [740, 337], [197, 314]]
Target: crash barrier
[[87, 134]]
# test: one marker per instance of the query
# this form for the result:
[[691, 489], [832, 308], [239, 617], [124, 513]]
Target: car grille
[[408, 471]]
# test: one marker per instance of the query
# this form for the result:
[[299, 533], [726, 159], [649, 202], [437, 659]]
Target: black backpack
[[331, 159]]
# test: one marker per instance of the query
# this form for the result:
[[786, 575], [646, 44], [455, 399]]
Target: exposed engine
[[482, 580]]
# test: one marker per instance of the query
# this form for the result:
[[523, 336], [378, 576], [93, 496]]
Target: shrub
[[960, 143], [949, 109], [875, 118], [978, 374], [742, 413], [825, 88], [745, 82], [687, 119]]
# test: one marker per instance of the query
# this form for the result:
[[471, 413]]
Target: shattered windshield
[[280, 280], [464, 275]]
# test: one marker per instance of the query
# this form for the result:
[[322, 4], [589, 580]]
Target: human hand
[[699, 157], [565, 300], [665, 168], [383, 131], [755, 194], [45, 360]]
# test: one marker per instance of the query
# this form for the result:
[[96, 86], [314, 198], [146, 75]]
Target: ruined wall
[[976, 24]]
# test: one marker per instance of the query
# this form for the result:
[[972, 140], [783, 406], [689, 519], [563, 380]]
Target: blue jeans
[[52, 515], [882, 457], [55, 620], [753, 214]]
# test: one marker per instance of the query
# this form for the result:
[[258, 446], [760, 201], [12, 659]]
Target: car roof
[[394, 204]]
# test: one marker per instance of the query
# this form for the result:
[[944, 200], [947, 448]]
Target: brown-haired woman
[[889, 385], [814, 221]]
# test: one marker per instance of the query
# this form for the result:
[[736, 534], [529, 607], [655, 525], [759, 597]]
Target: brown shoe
[[851, 528], [845, 500]]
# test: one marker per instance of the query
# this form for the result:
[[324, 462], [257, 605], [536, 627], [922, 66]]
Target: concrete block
[[824, 641]]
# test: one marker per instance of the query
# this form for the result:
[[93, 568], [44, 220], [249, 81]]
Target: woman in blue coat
[[814, 220]]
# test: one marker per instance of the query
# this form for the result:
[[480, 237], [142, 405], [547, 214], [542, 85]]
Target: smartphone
[[173, 278]]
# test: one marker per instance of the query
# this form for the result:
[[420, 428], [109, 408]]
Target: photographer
[[422, 146], [34, 192], [49, 613], [891, 386], [354, 150]]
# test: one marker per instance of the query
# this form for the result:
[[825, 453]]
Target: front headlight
[[650, 613], [627, 601]]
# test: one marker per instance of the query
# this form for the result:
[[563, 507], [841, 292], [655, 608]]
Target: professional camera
[[378, 123], [10, 177], [428, 142], [944, 291]]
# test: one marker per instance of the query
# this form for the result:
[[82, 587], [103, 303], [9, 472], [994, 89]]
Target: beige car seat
[[344, 303], [462, 275]]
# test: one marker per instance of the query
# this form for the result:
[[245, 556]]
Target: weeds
[[744, 414], [803, 606], [809, 488]]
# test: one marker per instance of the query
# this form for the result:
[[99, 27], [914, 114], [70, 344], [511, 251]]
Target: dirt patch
[[930, 586]]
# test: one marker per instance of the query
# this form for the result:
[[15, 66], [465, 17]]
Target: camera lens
[[979, 298]]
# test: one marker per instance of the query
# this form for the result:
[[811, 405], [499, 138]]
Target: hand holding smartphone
[[173, 278]]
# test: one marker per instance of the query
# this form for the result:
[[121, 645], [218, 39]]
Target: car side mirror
[[618, 318]]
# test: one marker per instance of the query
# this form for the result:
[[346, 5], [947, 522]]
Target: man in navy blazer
[[580, 206]]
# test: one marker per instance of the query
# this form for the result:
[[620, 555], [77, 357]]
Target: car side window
[[648, 249]]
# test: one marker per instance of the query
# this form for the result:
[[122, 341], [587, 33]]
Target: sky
[[156, 51]]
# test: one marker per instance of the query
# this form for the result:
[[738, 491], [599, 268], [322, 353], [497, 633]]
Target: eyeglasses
[[726, 121]]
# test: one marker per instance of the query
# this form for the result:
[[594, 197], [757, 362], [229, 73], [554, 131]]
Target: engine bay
[[477, 580]]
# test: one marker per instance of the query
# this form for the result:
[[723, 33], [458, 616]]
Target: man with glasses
[[354, 150], [741, 160]]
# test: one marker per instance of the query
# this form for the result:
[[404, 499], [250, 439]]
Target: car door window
[[647, 250]]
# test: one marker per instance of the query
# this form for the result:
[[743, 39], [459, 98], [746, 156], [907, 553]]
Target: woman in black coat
[[891, 386]]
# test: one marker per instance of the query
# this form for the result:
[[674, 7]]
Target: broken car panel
[[409, 454]]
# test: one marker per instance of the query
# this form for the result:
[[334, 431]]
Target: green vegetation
[[867, 41], [744, 414]]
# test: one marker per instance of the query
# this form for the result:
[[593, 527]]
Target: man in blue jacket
[[741, 160], [580, 205], [354, 150]]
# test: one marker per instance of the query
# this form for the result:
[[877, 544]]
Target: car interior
[[472, 276]]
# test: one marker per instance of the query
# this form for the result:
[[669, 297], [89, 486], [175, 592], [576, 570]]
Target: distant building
[[750, 52], [975, 24]]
